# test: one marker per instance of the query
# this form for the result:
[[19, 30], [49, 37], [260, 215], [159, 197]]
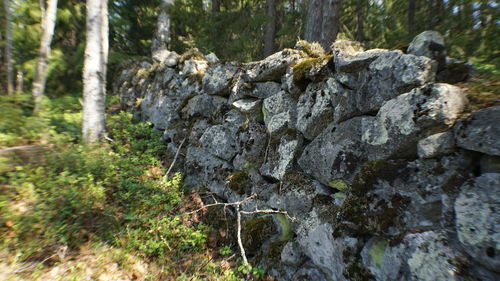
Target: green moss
[[295, 180], [238, 182], [286, 232], [377, 252], [314, 49], [340, 195], [300, 69], [256, 231], [338, 184], [373, 171], [191, 54]]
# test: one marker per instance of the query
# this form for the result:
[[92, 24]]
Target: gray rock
[[203, 169], [337, 152], [250, 107], [212, 58], [203, 106], [193, 67], [166, 57], [314, 111], [253, 141], [430, 44], [264, 90], [281, 159], [344, 101], [280, 112], [288, 85], [433, 107], [218, 78], [291, 254], [389, 75], [272, 67], [436, 145], [219, 142], [489, 164], [480, 131], [357, 62], [478, 221], [326, 252]]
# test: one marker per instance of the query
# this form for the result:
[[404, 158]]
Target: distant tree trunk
[[215, 7], [411, 19], [161, 38], [48, 24], [19, 82], [270, 28], [94, 71], [8, 49], [314, 21], [330, 23], [360, 20]]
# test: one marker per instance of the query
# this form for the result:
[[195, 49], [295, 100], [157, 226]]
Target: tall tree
[[48, 24], [161, 37], [270, 28], [94, 71], [314, 21], [215, 7], [411, 19], [361, 7], [8, 48], [330, 24]]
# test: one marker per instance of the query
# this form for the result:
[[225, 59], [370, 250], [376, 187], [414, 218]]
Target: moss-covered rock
[[239, 182], [310, 68], [312, 49], [256, 231]]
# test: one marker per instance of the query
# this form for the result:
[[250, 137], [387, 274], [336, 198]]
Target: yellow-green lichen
[[193, 53], [377, 251], [286, 232], [338, 184], [301, 69]]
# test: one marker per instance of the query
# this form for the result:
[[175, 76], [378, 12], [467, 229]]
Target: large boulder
[[314, 110], [219, 142], [480, 131], [280, 112], [217, 79], [430, 44], [478, 221]]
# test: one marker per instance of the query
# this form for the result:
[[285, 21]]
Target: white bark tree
[[94, 71], [8, 48], [48, 25]]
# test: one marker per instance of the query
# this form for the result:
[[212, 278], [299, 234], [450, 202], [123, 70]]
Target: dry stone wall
[[386, 174]]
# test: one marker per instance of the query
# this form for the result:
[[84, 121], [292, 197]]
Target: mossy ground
[[482, 91]]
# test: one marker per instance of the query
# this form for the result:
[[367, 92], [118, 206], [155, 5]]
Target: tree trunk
[[19, 82], [314, 21], [270, 28], [161, 38], [215, 7], [330, 23], [8, 49], [48, 24], [360, 20], [411, 19], [94, 71]]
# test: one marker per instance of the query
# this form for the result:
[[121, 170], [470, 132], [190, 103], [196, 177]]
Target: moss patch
[[286, 232], [238, 182], [191, 54], [314, 49], [301, 69], [256, 231]]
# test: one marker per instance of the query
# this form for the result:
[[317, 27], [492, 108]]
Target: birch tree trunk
[[330, 23], [48, 25], [314, 21], [161, 38], [94, 71], [8, 48], [270, 28]]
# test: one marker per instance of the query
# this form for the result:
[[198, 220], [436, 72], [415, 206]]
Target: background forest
[[234, 30]]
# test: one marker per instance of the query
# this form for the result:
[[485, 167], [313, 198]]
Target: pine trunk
[[314, 21], [215, 7], [8, 49], [94, 71], [270, 28], [330, 23], [48, 25], [411, 19], [360, 20]]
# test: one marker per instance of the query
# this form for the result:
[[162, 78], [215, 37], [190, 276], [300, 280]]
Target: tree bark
[[8, 49], [314, 21], [161, 39], [411, 19], [270, 28], [19, 82], [94, 71], [48, 25], [215, 7], [330, 23], [360, 20]]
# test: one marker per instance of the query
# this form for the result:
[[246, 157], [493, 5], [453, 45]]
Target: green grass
[[109, 201]]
